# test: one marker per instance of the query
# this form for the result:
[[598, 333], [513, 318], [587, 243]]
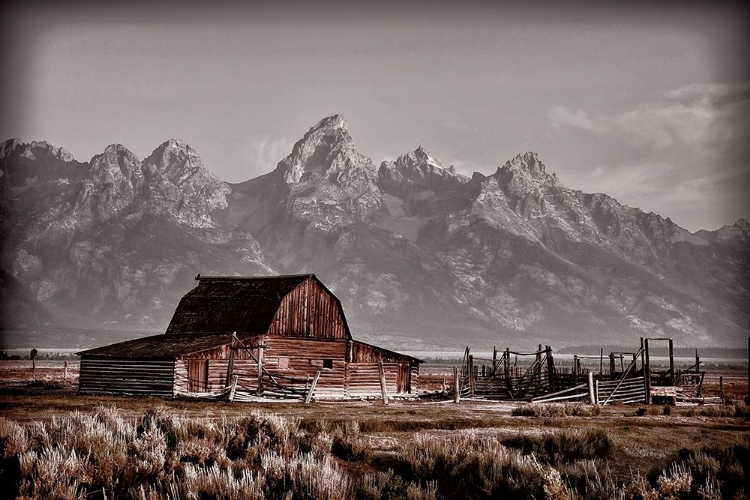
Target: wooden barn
[[266, 336]]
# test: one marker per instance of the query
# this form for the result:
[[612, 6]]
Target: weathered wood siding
[[296, 361], [365, 353], [309, 311], [244, 365], [300, 359], [126, 376]]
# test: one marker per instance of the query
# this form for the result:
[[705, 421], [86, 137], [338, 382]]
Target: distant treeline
[[660, 349]]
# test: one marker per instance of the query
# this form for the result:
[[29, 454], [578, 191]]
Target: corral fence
[[533, 376]]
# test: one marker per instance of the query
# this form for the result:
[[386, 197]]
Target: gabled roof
[[161, 346], [226, 304]]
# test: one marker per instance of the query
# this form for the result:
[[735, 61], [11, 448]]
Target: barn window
[[283, 362], [327, 363]]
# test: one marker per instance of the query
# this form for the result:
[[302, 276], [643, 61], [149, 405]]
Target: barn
[[276, 336]]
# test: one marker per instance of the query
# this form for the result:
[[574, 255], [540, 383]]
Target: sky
[[649, 103]]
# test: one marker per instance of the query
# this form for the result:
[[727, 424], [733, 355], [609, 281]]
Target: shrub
[[12, 439], [565, 446], [549, 410], [468, 465]]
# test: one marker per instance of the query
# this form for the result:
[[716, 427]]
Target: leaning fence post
[[383, 387], [233, 388], [456, 386], [592, 399], [312, 388]]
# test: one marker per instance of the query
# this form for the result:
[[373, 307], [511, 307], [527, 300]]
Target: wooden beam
[[312, 388], [671, 363], [233, 388], [259, 389], [592, 398], [647, 373], [383, 387], [230, 364], [471, 375], [456, 385]]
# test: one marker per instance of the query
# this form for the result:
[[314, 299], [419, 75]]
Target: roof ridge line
[[199, 277]]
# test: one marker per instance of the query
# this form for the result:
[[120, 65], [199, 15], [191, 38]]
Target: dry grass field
[[55, 443]]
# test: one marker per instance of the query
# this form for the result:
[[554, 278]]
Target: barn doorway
[[198, 375]]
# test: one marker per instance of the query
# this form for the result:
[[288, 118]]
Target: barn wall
[[126, 376], [301, 359], [245, 366], [309, 311], [365, 353]]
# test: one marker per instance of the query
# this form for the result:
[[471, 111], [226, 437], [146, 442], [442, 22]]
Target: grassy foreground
[[373, 452]]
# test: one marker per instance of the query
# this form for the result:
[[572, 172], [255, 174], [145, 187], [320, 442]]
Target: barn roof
[[161, 346], [226, 304]]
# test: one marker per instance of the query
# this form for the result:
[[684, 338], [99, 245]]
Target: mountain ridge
[[418, 254]]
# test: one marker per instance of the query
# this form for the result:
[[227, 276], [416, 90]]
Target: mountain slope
[[419, 254]]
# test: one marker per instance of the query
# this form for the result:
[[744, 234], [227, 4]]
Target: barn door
[[198, 375]]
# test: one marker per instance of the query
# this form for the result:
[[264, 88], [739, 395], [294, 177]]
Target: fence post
[[647, 374], [456, 386], [596, 391], [233, 388], [259, 391], [230, 363], [312, 388], [592, 399], [383, 388], [611, 365], [550, 367], [643, 359], [494, 361], [601, 361], [65, 375], [471, 375], [671, 363]]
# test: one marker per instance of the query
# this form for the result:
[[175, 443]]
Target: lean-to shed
[[273, 335]]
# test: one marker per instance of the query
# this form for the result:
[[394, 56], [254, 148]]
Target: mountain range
[[421, 256]]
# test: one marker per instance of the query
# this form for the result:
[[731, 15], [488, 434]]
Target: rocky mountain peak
[[181, 186], [34, 149], [115, 164], [327, 144], [528, 162]]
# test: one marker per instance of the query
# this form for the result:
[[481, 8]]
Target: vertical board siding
[[126, 376], [309, 311]]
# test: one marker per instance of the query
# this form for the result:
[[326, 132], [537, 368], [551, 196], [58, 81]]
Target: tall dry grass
[[162, 455]]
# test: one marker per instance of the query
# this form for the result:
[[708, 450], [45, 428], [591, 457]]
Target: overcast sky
[[650, 103]]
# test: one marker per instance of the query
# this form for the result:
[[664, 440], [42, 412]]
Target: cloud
[[673, 155], [664, 125], [717, 93], [560, 116], [262, 152]]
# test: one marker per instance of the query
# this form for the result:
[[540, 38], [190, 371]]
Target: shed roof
[[225, 304], [161, 346]]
